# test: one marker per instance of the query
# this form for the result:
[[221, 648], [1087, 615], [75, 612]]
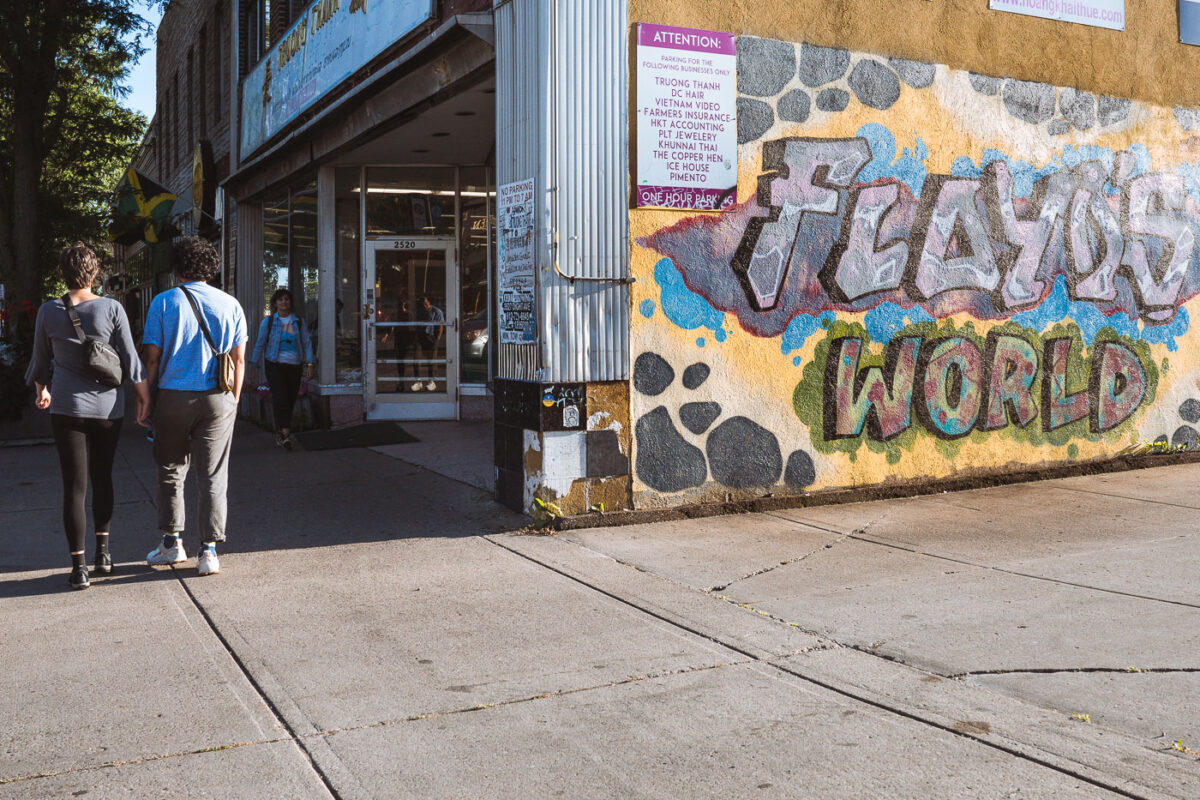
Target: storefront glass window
[[290, 253], [474, 241], [348, 314], [275, 247], [410, 201]]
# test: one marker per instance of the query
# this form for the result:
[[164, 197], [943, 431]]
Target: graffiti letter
[[862, 266], [881, 398], [952, 215], [1029, 237], [949, 401], [1169, 238], [1117, 385], [1092, 224], [1058, 407], [804, 175], [1011, 365]]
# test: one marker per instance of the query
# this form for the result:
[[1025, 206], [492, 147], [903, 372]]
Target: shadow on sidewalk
[[278, 500]]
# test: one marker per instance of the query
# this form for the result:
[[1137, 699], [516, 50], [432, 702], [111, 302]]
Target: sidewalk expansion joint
[[1075, 670], [144, 760], [850, 693], [258, 689]]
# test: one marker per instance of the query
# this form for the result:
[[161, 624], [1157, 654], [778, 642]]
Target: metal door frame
[[410, 406]]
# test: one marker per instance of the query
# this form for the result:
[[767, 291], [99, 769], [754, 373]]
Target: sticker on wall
[[1097, 13], [686, 118], [514, 225]]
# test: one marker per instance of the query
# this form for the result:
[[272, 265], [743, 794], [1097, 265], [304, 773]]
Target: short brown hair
[[195, 259], [79, 266]]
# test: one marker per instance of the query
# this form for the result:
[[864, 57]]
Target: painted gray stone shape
[[916, 74], [604, 456], [794, 106], [652, 374], [764, 66], [754, 119], [1058, 127], [695, 375], [1078, 107], [1186, 436], [1112, 110], [1190, 411], [1029, 101], [744, 455], [696, 417], [800, 472], [1186, 117], [665, 462], [833, 100], [820, 65], [874, 85], [985, 84]]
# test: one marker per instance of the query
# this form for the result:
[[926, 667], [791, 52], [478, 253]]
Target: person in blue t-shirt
[[283, 349], [193, 416]]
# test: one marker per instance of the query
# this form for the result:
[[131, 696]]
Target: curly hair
[[79, 266], [195, 259]]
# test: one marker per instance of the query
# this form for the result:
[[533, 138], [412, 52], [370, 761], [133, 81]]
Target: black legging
[[284, 380], [85, 447]]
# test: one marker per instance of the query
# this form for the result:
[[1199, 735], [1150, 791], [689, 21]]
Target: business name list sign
[[331, 40], [1097, 13], [686, 118]]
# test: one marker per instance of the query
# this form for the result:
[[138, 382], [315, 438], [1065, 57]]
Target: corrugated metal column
[[585, 295], [249, 253]]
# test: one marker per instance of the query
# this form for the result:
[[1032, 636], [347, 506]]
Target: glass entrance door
[[411, 336]]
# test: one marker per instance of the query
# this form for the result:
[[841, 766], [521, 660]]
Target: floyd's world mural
[[927, 273]]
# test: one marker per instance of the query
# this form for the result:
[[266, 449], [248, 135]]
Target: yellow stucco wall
[[730, 399]]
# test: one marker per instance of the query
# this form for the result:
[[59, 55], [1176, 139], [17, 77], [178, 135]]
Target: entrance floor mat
[[370, 434]]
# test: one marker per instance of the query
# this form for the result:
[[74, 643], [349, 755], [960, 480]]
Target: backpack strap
[[74, 315], [200, 318]]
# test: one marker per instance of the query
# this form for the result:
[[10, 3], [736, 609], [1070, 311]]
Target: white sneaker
[[431, 386], [163, 556], [416, 387], [209, 564]]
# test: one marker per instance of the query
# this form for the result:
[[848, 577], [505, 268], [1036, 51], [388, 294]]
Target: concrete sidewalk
[[377, 631]]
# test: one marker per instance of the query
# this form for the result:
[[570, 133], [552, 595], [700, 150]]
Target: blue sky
[[141, 77]]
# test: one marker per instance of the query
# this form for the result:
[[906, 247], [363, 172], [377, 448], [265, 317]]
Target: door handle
[[368, 311]]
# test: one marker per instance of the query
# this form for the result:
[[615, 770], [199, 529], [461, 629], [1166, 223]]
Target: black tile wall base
[[541, 406]]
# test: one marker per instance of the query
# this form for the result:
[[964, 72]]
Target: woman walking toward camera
[[284, 349], [86, 339]]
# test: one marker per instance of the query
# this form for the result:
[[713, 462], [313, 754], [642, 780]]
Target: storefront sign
[[331, 40], [1189, 21], [204, 184], [1097, 13], [514, 224], [686, 118]]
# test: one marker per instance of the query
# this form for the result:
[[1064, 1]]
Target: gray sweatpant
[[193, 425]]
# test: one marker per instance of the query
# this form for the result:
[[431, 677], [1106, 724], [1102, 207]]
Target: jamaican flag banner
[[140, 211]]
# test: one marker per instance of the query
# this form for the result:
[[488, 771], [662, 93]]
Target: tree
[[64, 135]]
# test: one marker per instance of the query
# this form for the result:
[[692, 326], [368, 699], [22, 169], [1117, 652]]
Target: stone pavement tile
[[1175, 484], [1005, 522], [1145, 766], [1165, 570], [1159, 706], [705, 552], [753, 634], [954, 618], [119, 672], [275, 771], [737, 731], [384, 631]]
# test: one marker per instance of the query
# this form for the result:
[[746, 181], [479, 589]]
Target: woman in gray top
[[85, 414]]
